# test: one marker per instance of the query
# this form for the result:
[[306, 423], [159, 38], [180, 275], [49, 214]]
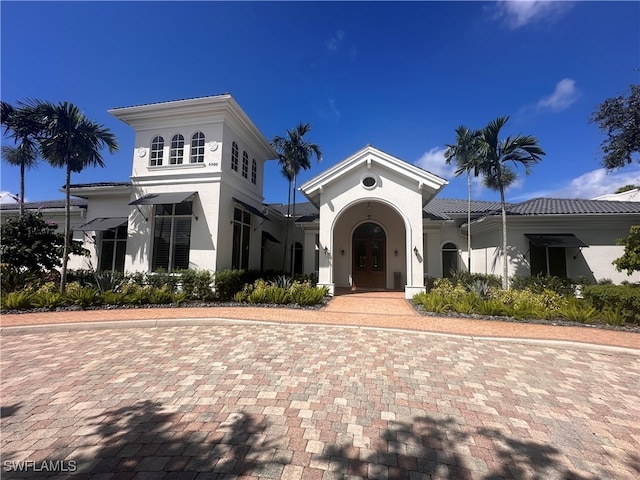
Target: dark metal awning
[[557, 240], [253, 210], [158, 198], [270, 237], [102, 224]]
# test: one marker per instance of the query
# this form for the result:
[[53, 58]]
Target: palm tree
[[288, 174], [71, 141], [465, 154], [294, 154], [494, 155], [22, 128]]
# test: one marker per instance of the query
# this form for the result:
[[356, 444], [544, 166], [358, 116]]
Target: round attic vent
[[369, 182]]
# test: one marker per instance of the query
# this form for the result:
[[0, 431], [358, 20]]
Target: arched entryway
[[369, 256]]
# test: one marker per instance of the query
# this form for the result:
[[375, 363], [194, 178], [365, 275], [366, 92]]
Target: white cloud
[[334, 108], [433, 161], [588, 185], [518, 13], [562, 97], [334, 41], [598, 182], [8, 197]]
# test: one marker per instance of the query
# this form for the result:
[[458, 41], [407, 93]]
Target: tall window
[[177, 150], [172, 236], [245, 165], [241, 237], [254, 171], [197, 148], [449, 260], [548, 261], [157, 148], [234, 156], [113, 249]]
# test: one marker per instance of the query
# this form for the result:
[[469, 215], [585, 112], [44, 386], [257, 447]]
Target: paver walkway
[[222, 399], [363, 309]]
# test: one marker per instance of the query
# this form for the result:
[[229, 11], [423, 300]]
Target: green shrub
[[161, 296], [179, 297], [82, 277], [518, 299], [492, 307], [612, 316], [542, 283], [45, 299], [626, 298], [278, 295], [432, 302], [283, 281], [17, 300], [196, 284], [577, 310], [465, 278], [258, 292], [161, 279], [228, 283], [108, 280], [308, 295], [114, 298], [83, 297], [449, 290], [467, 304], [13, 280]]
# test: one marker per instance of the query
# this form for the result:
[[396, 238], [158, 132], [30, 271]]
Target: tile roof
[[99, 184], [302, 209], [172, 101], [444, 208], [571, 206], [75, 202]]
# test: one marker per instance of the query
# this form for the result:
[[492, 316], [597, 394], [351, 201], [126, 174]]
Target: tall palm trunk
[[22, 169], [468, 221], [286, 231], [505, 256], [293, 236], [67, 231]]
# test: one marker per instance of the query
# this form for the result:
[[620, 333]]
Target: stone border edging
[[217, 321]]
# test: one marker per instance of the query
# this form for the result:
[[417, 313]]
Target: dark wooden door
[[369, 251]]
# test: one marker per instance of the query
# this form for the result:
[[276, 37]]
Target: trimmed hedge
[[625, 298]]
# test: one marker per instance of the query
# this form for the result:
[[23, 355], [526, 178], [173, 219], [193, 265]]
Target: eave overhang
[[428, 183]]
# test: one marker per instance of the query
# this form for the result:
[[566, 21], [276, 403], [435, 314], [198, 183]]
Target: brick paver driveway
[[304, 401]]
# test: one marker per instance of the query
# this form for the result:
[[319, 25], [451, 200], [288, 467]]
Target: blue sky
[[399, 76]]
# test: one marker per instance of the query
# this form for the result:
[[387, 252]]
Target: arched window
[[449, 260], [254, 171], [197, 147], [177, 150], [234, 156], [157, 148], [245, 165]]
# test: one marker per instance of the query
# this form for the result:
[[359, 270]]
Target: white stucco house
[[373, 221]]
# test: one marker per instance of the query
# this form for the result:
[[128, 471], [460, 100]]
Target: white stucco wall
[[395, 203], [593, 262]]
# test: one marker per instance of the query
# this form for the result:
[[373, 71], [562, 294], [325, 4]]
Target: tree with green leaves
[[630, 260], [71, 141], [465, 153], [627, 188], [619, 118], [495, 157], [294, 154], [23, 130], [32, 245]]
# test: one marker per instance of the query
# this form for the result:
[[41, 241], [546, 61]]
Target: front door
[[369, 247]]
